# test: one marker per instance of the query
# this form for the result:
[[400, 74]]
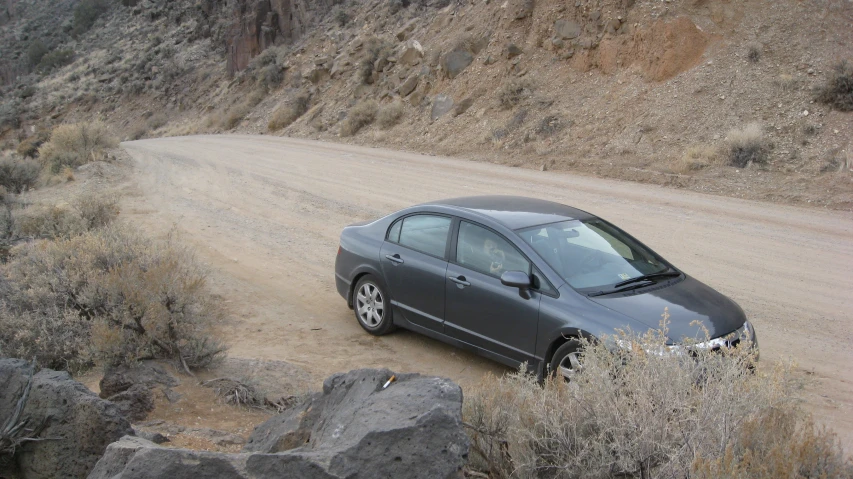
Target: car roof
[[515, 212]]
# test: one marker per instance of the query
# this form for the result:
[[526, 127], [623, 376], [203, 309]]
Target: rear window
[[425, 233]]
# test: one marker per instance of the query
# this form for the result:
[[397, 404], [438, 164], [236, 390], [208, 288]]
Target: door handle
[[394, 259], [460, 280]]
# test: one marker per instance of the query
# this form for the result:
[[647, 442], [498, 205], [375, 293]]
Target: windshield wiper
[[646, 277], [629, 287]]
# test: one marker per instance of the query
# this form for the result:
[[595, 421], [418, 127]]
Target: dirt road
[[265, 213]]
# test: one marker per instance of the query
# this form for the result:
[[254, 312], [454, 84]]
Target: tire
[[372, 306], [566, 360]]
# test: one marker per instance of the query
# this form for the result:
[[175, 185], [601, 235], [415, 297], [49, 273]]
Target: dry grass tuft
[[696, 158], [361, 115], [289, 112], [643, 410], [389, 115], [747, 146]]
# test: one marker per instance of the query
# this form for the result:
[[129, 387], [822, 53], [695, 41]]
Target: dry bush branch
[[236, 392]]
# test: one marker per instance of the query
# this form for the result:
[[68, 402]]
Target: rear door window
[[425, 233]]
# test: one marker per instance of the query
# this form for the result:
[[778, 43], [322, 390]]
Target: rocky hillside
[[713, 95]]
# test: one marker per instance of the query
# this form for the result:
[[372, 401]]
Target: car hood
[[691, 304]]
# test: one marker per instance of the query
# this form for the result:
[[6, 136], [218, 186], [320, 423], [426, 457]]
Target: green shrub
[[86, 13], [76, 144], [361, 115], [17, 175], [389, 115], [10, 112], [747, 146], [286, 114], [36, 51], [140, 299], [643, 410], [838, 90], [56, 59]]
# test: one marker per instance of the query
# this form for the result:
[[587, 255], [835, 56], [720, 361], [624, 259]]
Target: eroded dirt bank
[[266, 213]]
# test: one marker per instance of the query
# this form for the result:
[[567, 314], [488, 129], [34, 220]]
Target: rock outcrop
[[257, 24], [354, 428], [131, 389], [78, 424]]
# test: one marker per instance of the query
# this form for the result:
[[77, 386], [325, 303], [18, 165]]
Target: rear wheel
[[566, 362], [372, 306]]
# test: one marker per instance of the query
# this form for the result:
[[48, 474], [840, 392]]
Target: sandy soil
[[265, 213]]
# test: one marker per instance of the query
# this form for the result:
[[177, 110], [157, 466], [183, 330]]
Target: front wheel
[[566, 362], [372, 306]]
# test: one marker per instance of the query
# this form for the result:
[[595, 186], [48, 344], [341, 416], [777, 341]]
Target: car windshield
[[592, 254]]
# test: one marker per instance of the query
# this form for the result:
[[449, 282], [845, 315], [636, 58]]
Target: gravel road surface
[[265, 213]]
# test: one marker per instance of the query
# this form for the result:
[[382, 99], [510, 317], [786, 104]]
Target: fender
[[556, 339], [358, 272]]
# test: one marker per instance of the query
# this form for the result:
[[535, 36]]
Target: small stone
[[512, 50], [566, 29], [805, 113]]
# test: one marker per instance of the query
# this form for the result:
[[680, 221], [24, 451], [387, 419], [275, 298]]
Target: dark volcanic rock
[[354, 428], [79, 424]]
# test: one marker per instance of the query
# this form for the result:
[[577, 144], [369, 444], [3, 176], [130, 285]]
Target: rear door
[[479, 309], [414, 264]]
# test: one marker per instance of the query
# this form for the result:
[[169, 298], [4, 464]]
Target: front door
[[479, 309], [414, 265]]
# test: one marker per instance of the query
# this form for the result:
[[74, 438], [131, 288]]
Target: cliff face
[[258, 24]]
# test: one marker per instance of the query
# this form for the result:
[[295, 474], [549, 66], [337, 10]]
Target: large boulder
[[412, 53], [354, 428], [441, 104], [78, 424], [456, 61]]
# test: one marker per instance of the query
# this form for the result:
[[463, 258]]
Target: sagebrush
[[139, 298], [361, 115], [838, 90], [643, 410], [17, 175], [747, 146], [76, 144], [389, 115]]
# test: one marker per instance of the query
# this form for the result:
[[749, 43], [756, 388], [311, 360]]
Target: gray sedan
[[520, 280]]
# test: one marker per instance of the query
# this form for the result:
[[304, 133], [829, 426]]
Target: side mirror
[[518, 279]]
